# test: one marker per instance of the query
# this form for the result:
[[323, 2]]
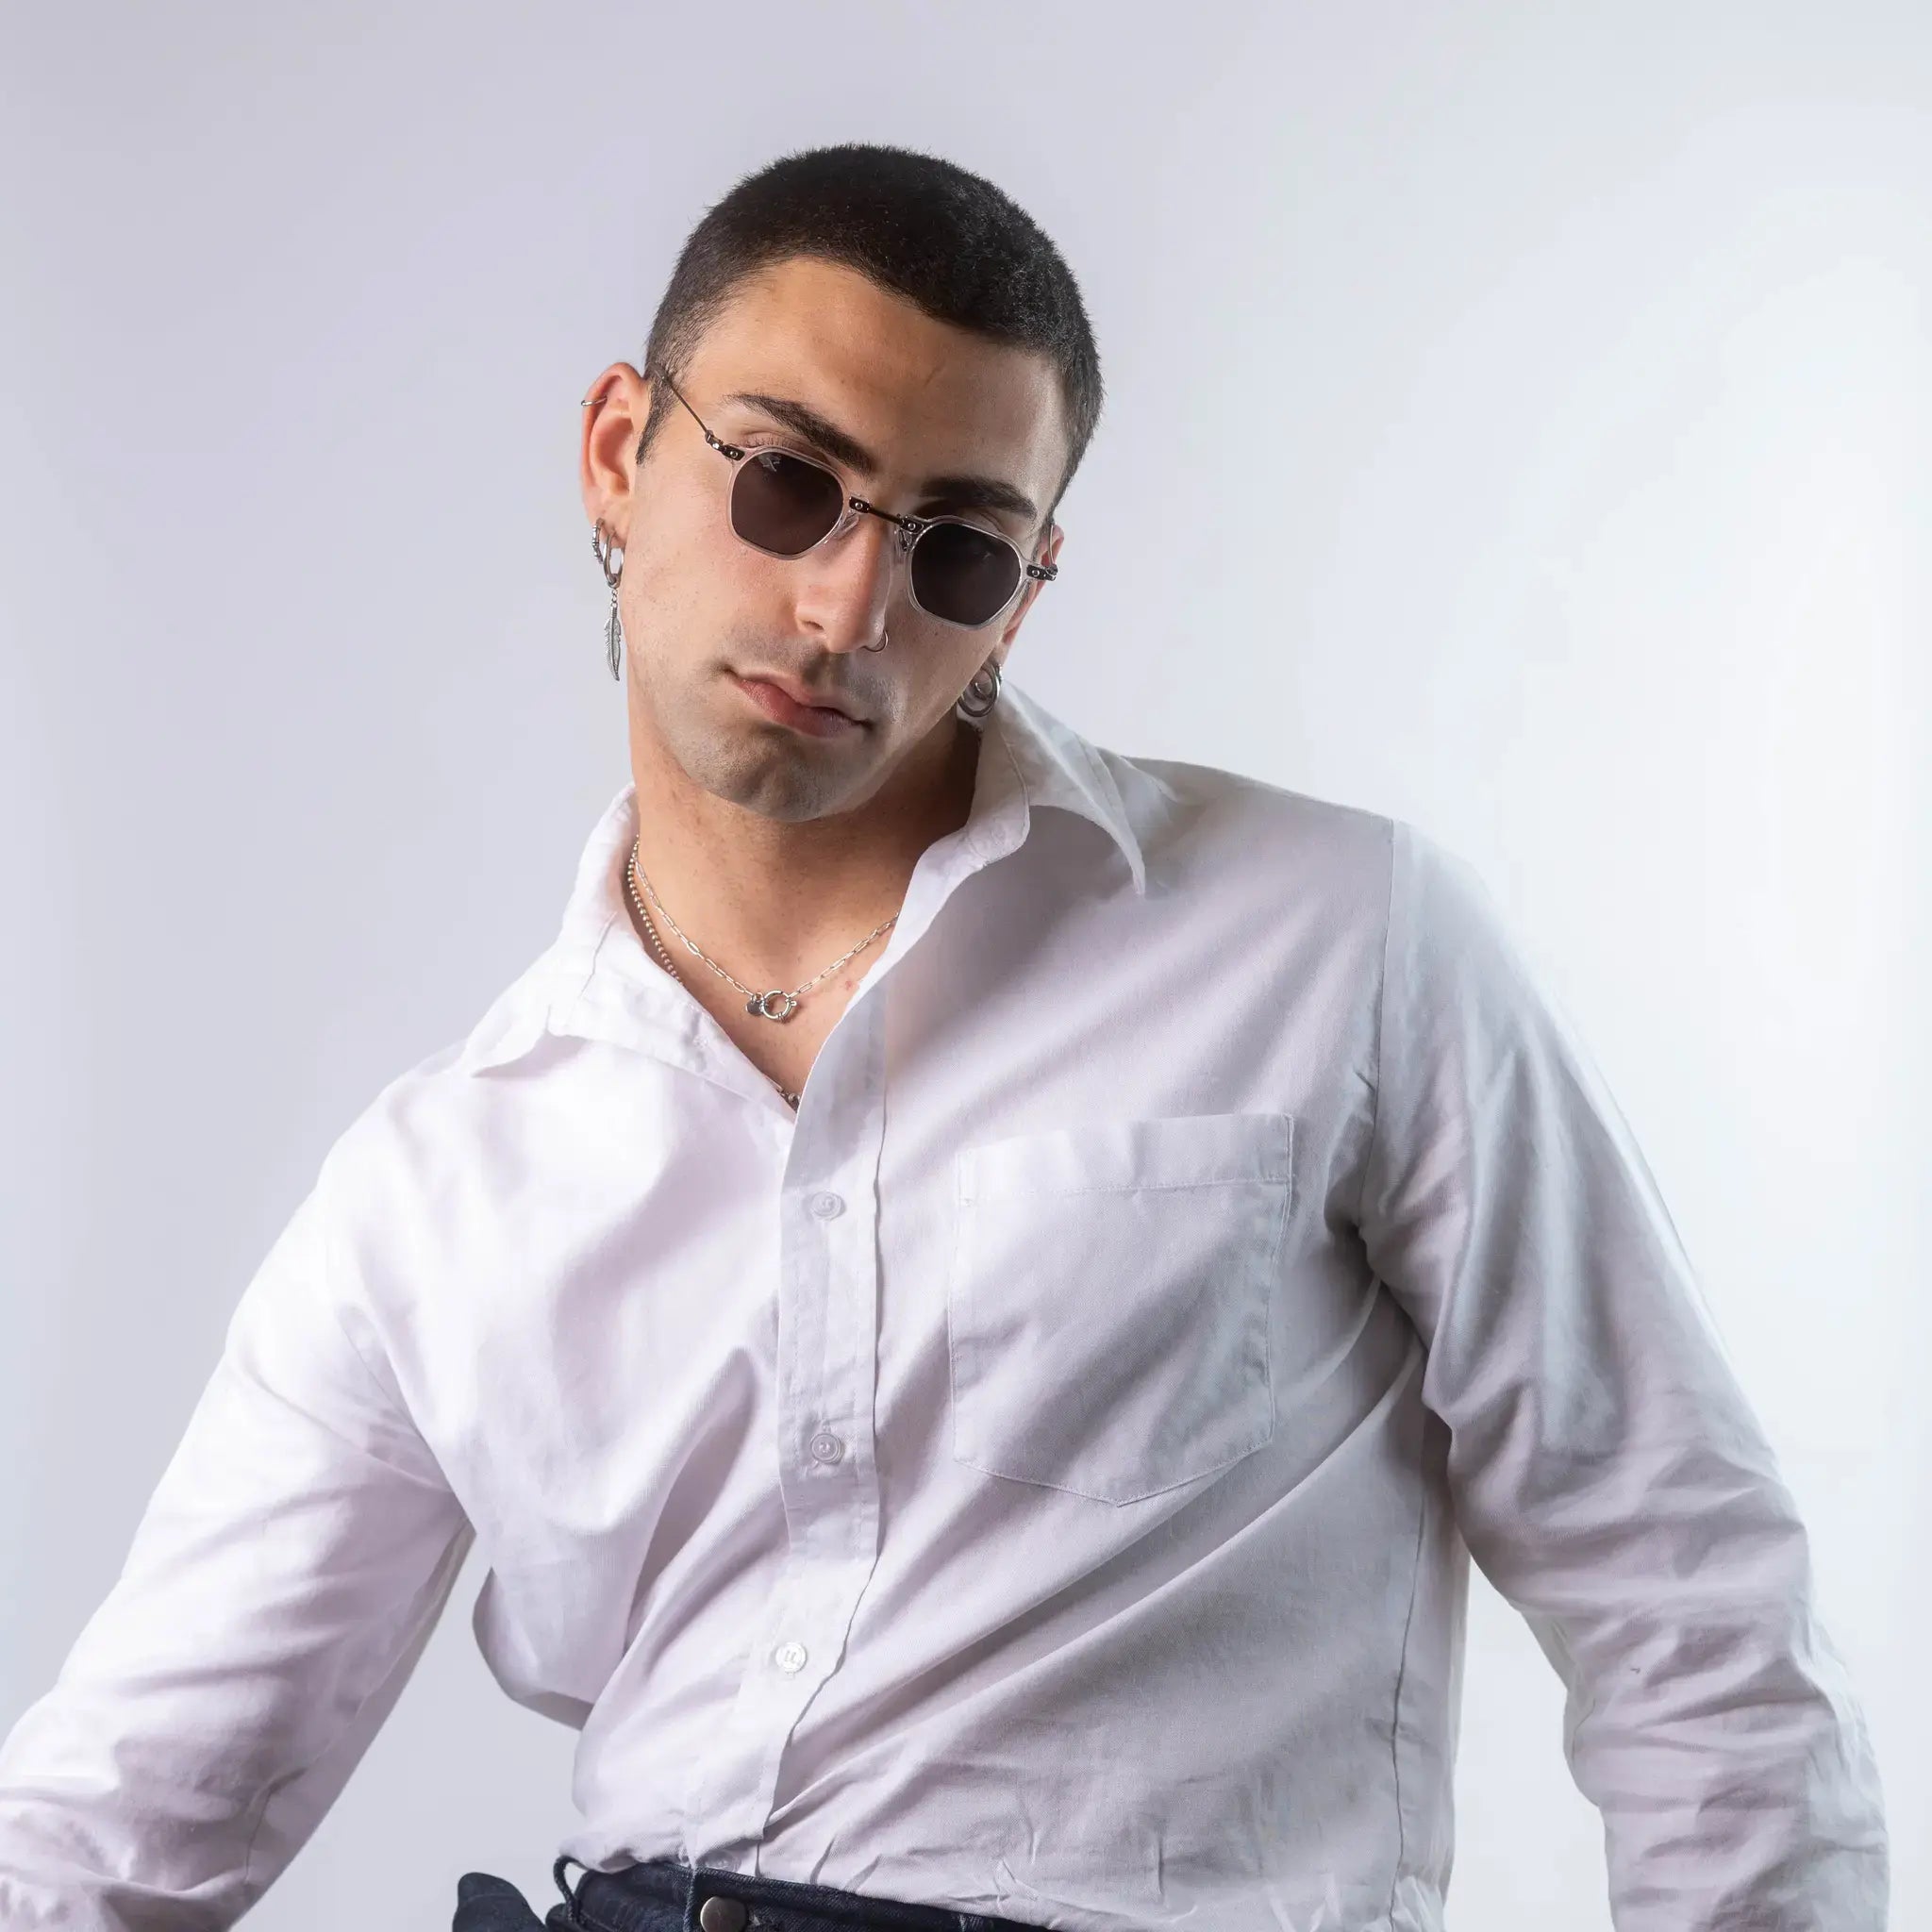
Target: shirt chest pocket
[[1110, 1296]]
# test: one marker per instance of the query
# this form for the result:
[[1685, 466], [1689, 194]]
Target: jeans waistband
[[662, 1895]]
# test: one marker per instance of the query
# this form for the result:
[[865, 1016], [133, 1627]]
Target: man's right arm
[[280, 1585]]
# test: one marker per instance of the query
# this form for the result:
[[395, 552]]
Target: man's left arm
[[1608, 1474]]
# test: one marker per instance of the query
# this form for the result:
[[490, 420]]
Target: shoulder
[[424, 1139], [1191, 816]]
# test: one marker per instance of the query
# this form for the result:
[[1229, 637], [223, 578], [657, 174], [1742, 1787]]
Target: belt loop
[[570, 1904]]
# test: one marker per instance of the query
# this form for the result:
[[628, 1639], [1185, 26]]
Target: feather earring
[[605, 548]]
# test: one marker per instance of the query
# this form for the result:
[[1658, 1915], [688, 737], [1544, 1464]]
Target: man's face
[[703, 610]]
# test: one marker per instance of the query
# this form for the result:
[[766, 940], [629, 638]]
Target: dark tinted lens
[[782, 502], [961, 574]]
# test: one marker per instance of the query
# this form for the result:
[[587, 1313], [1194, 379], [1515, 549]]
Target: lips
[[801, 695], [775, 698]]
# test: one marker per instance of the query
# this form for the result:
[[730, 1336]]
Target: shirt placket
[[827, 1302]]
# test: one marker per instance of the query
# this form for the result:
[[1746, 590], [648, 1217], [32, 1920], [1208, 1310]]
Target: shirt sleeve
[[1606, 1471], [278, 1592]]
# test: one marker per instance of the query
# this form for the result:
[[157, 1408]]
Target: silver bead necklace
[[759, 1003]]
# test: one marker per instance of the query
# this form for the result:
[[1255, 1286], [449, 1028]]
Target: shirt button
[[827, 1446], [790, 1656], [827, 1206]]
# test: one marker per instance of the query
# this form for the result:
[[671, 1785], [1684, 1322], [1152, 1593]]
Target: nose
[[845, 585]]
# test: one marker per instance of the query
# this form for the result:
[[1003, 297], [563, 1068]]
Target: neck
[[773, 901]]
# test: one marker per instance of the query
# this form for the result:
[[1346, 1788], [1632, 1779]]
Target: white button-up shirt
[[1036, 1478]]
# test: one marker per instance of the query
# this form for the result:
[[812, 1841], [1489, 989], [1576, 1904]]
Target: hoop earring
[[603, 547], [974, 702]]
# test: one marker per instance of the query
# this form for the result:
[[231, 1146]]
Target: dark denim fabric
[[664, 1896]]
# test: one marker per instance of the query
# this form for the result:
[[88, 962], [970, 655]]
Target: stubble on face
[[754, 763]]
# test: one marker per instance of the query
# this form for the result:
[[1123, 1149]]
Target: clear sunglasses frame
[[911, 528]]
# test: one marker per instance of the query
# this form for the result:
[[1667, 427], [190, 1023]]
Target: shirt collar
[[1029, 759], [1055, 766]]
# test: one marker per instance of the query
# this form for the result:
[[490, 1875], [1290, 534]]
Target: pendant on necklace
[[760, 1005]]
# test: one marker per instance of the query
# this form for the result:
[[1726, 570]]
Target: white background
[[1518, 421]]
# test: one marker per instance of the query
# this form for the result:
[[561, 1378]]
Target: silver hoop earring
[[975, 703], [603, 548]]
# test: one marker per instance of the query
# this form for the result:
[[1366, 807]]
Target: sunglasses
[[786, 504]]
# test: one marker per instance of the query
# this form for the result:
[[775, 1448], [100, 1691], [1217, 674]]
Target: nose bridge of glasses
[[851, 509], [856, 506], [893, 543]]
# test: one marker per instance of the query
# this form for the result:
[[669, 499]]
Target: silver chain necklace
[[755, 1002]]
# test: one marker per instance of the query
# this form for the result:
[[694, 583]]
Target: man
[[980, 1295]]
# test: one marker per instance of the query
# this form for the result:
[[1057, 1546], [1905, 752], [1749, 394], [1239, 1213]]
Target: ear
[[615, 404]]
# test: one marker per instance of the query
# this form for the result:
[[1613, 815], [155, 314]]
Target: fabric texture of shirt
[[1040, 1475]]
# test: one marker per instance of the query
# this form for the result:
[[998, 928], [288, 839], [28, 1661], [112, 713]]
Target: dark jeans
[[664, 1896]]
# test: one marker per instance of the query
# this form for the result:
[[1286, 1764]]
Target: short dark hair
[[945, 238]]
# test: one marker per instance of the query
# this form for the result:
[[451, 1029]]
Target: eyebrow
[[961, 491]]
